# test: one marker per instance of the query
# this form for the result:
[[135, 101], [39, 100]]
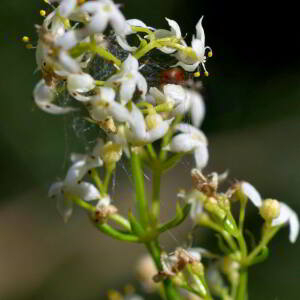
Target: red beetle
[[173, 75]]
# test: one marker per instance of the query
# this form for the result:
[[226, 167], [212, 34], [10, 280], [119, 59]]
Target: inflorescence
[[136, 84]]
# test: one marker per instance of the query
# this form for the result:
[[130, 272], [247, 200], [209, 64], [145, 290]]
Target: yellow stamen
[[25, 39], [29, 46], [114, 295], [210, 54], [197, 74], [80, 1], [42, 13], [206, 73]]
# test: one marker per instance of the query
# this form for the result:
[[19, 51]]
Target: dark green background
[[253, 124]]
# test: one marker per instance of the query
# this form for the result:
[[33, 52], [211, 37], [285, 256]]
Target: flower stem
[[156, 180], [121, 221], [138, 176], [242, 293]]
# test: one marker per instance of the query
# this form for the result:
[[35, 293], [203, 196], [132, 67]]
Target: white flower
[[100, 14], [189, 63], [80, 83], [130, 78], [286, 214], [184, 100], [175, 32], [103, 105], [191, 139], [86, 162], [44, 95], [139, 133], [72, 185], [122, 39]]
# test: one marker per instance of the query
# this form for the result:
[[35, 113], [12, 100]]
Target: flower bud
[[111, 153], [270, 209], [153, 120], [212, 205]]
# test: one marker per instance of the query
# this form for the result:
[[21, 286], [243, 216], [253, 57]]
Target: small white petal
[[124, 44], [44, 95], [199, 31], [157, 95], [174, 27], [55, 189], [199, 48], [175, 91], [201, 156], [187, 67], [85, 191], [66, 7], [64, 207], [80, 83], [186, 128], [183, 143], [252, 194], [130, 64], [197, 108], [68, 63], [127, 90], [141, 84], [294, 227], [76, 172], [107, 94], [158, 132]]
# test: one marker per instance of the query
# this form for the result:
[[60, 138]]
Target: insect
[[173, 76]]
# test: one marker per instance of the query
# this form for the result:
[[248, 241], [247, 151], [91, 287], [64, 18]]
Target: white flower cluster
[[124, 106]]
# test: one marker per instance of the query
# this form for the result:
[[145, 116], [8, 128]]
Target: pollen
[[43, 13], [197, 74], [210, 54], [25, 39], [206, 73]]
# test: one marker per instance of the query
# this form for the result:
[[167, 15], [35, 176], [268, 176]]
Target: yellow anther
[[46, 1], [210, 54], [25, 39], [114, 295], [206, 73], [197, 74], [80, 1], [42, 13], [29, 46]]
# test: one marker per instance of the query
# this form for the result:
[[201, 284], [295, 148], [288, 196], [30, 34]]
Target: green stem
[[141, 52], [121, 221], [265, 240], [138, 177], [83, 204], [96, 178], [151, 151], [114, 233], [242, 293], [107, 178], [156, 178]]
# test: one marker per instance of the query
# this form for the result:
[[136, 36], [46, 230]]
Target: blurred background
[[252, 122]]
